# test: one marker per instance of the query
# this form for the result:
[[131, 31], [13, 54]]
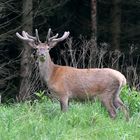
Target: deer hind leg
[[120, 105], [64, 103], [107, 101]]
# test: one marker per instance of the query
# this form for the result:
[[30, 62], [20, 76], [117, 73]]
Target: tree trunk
[[94, 21], [93, 33], [26, 69], [115, 24]]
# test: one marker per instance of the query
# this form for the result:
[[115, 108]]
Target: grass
[[84, 121]]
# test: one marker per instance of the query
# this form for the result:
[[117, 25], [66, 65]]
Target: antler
[[31, 40], [37, 36], [34, 40], [65, 35], [25, 37], [52, 41]]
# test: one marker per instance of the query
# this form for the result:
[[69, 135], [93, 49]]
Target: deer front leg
[[64, 103]]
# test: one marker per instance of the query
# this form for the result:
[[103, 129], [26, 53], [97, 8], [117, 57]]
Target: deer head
[[42, 48]]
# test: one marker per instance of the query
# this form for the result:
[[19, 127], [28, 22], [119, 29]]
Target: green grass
[[83, 121]]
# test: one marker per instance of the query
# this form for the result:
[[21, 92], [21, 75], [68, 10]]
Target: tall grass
[[43, 120]]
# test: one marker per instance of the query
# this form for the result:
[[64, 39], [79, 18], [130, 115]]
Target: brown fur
[[67, 82]]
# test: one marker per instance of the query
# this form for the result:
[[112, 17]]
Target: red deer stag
[[67, 82]]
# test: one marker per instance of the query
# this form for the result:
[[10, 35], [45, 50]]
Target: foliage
[[131, 98], [41, 95], [43, 120], [75, 16]]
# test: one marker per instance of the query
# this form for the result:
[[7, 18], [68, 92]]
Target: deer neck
[[46, 68]]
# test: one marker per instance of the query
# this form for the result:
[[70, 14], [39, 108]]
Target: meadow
[[42, 120]]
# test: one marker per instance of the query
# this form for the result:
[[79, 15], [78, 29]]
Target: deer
[[67, 82]]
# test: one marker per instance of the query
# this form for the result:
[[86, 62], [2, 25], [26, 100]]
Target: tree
[[115, 28], [94, 21], [25, 66]]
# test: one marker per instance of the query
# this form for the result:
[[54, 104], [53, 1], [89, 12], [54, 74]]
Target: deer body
[[81, 82], [67, 82]]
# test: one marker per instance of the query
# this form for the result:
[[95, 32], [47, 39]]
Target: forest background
[[103, 33]]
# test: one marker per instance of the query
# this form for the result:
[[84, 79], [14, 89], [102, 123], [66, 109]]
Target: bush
[[131, 98]]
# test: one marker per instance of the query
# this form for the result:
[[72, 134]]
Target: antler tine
[[65, 35], [53, 37], [54, 41], [37, 36], [24, 37], [32, 37], [48, 35]]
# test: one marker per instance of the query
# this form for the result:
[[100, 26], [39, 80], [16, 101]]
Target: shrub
[[131, 98]]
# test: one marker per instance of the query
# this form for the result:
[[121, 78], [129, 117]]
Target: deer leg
[[117, 102], [119, 105], [108, 103], [110, 107], [64, 103]]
